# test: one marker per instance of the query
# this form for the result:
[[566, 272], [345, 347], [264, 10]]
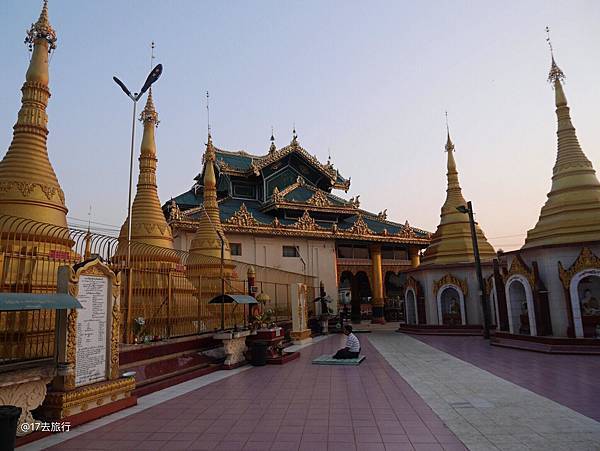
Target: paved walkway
[[297, 406], [571, 380], [485, 411]]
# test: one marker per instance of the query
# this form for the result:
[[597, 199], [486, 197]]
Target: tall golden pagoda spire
[[452, 241], [149, 225], [572, 212], [206, 240], [29, 187]]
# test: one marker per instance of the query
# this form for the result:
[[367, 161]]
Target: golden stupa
[[149, 228], [157, 273], [572, 212], [29, 187], [451, 242], [204, 261], [28, 184]]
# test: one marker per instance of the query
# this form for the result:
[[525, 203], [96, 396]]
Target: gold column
[[415, 258], [377, 285]]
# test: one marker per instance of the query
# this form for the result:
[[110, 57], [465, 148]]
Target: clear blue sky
[[368, 80]]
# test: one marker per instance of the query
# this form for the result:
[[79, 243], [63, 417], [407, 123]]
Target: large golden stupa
[[572, 212]]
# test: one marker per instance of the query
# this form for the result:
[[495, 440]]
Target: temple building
[[443, 290], [278, 210], [551, 286]]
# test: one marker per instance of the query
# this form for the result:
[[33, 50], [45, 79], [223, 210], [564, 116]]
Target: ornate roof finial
[[42, 30], [294, 135], [272, 148], [208, 114], [556, 74], [149, 113], [152, 55], [449, 143]]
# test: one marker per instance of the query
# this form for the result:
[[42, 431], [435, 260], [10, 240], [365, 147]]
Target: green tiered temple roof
[[286, 192]]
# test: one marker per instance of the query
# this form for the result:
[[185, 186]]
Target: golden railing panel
[[154, 286]]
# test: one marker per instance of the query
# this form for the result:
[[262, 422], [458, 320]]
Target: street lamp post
[[152, 77], [484, 303]]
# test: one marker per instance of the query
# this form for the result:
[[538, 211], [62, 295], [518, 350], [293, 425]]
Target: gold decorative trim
[[360, 227], [94, 268], [413, 284], [243, 218], [319, 199], [449, 279], [88, 394], [519, 267], [306, 222], [26, 189], [276, 228], [586, 260]]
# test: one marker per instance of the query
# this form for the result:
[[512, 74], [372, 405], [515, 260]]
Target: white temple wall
[[428, 276], [318, 255], [547, 260]]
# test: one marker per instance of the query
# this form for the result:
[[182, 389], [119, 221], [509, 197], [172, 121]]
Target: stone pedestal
[[235, 347], [25, 388], [300, 332]]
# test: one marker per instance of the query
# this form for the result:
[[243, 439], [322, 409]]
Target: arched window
[[450, 303], [412, 316], [588, 294]]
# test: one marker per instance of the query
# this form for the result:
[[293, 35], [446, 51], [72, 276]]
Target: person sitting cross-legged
[[352, 349]]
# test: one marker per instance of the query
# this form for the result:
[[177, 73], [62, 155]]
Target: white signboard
[[92, 319]]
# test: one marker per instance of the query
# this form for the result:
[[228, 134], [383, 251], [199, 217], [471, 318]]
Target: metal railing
[[154, 286]]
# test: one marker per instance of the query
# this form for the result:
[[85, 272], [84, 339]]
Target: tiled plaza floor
[[486, 412], [571, 380], [297, 406]]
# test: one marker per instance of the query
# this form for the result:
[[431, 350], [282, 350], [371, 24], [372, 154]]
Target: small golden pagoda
[[572, 212], [149, 226], [157, 272], [204, 265], [452, 243]]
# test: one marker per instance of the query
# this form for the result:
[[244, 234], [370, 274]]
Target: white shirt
[[352, 343]]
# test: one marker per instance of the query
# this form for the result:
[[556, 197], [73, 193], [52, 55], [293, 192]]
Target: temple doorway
[[394, 304], [519, 308], [588, 291], [411, 307], [345, 291], [450, 300], [363, 300]]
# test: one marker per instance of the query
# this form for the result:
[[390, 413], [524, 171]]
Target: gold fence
[[158, 299]]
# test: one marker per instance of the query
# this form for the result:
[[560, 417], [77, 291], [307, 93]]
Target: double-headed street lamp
[[484, 303], [152, 77]]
